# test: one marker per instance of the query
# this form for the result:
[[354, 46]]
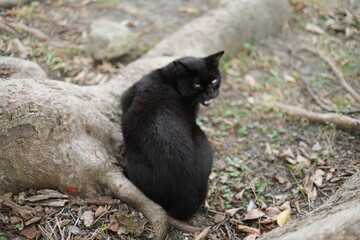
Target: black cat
[[168, 156]]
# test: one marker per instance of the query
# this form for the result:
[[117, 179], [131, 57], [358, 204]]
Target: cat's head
[[198, 79]]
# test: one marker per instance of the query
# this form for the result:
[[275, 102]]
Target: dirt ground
[[266, 161]]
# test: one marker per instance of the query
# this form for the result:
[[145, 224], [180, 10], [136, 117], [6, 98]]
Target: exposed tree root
[[159, 219], [337, 119], [336, 71]]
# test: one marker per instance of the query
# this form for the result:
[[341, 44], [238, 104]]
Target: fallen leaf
[[284, 217], [289, 78], [298, 6], [33, 220], [285, 205], [203, 234], [267, 221], [254, 214], [304, 162], [29, 232], [287, 154], [189, 10], [64, 223], [268, 150], [313, 28], [297, 206], [114, 226], [250, 230], [273, 212], [100, 210], [250, 80], [73, 191], [279, 178], [329, 175], [318, 177], [218, 218], [240, 194], [309, 187], [88, 218], [231, 212]]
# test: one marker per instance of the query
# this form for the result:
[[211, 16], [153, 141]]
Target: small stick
[[322, 105], [337, 119], [336, 71]]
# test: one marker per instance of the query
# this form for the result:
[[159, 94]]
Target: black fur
[[168, 156]]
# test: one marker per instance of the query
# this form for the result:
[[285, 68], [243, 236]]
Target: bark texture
[[56, 135]]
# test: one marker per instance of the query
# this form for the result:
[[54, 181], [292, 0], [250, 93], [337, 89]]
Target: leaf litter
[[264, 160]]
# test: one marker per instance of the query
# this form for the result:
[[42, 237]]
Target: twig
[[35, 32], [337, 119], [322, 105], [336, 71]]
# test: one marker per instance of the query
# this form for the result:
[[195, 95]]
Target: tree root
[[159, 219], [337, 119]]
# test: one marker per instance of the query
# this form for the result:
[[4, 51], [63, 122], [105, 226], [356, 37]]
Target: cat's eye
[[196, 85], [214, 81]]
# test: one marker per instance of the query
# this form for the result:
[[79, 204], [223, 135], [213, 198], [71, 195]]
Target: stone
[[109, 40]]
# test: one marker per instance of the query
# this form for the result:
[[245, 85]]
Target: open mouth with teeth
[[207, 102]]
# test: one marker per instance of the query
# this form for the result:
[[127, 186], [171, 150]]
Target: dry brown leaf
[[298, 6], [279, 178], [297, 206], [64, 223], [318, 177], [313, 28], [289, 78], [240, 194], [254, 214], [287, 154], [250, 230], [189, 10], [268, 150], [29, 232], [329, 175], [290, 160], [250, 80], [268, 220], [285, 205], [100, 210], [33, 220], [304, 162], [203, 234], [114, 226], [309, 187], [231, 212], [218, 218], [320, 162], [273, 212]]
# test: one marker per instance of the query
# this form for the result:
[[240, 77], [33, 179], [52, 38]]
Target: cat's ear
[[213, 59], [179, 67]]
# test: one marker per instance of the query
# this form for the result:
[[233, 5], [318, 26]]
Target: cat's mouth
[[207, 102]]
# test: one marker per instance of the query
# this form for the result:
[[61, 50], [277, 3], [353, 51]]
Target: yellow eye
[[196, 85], [214, 81]]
